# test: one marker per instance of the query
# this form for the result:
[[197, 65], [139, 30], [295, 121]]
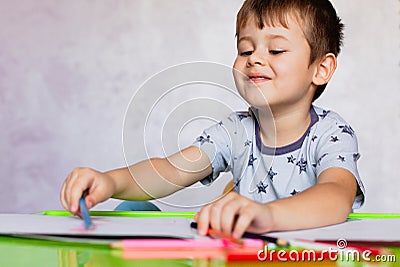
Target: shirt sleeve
[[216, 143], [338, 147]]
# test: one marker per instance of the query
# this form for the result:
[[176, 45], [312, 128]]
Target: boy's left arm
[[328, 202]]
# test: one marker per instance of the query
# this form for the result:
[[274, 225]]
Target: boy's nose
[[257, 58]]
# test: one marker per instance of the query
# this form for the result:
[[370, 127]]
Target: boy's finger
[[203, 220], [67, 190], [242, 223], [69, 184], [77, 189], [228, 216], [215, 216], [62, 197], [217, 210], [93, 198]]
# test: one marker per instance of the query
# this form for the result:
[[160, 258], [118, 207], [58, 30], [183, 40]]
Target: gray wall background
[[68, 70]]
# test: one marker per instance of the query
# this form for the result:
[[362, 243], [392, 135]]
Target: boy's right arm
[[153, 178]]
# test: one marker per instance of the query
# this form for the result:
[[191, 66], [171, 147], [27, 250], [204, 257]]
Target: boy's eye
[[276, 52], [246, 53]]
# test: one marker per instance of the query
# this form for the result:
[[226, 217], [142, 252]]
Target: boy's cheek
[[238, 72]]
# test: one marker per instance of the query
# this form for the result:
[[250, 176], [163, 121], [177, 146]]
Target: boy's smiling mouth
[[258, 77]]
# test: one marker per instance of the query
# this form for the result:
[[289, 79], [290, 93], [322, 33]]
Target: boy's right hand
[[99, 187]]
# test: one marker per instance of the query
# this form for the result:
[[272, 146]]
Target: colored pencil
[[278, 241], [186, 244]]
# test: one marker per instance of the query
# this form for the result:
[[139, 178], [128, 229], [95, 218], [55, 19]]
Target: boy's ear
[[325, 69]]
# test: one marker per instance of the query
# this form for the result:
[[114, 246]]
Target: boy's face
[[275, 64]]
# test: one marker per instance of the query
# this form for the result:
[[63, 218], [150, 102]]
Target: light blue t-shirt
[[265, 174]]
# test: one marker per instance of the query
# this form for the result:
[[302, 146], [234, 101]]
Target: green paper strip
[[138, 214], [373, 215]]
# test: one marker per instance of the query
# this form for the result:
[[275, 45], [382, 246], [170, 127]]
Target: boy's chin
[[258, 104], [256, 99], [262, 107]]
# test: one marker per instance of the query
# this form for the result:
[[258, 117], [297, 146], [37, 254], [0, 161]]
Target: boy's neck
[[290, 125]]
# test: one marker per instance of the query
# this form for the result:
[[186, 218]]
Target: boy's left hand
[[234, 214]]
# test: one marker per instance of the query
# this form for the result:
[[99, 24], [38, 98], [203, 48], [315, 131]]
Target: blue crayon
[[85, 213]]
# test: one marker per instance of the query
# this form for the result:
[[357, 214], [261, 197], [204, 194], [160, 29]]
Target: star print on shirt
[[251, 160], [334, 139], [320, 159], [243, 115], [302, 165], [294, 192], [347, 129], [324, 114], [220, 123], [291, 159], [202, 140], [356, 156], [247, 143], [271, 174], [262, 188], [314, 138], [341, 158]]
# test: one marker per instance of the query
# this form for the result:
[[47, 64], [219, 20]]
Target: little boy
[[294, 165]]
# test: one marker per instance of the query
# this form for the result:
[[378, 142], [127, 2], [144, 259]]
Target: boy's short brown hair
[[322, 27]]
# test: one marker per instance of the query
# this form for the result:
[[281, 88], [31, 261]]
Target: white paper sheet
[[387, 230], [103, 226], [382, 230]]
